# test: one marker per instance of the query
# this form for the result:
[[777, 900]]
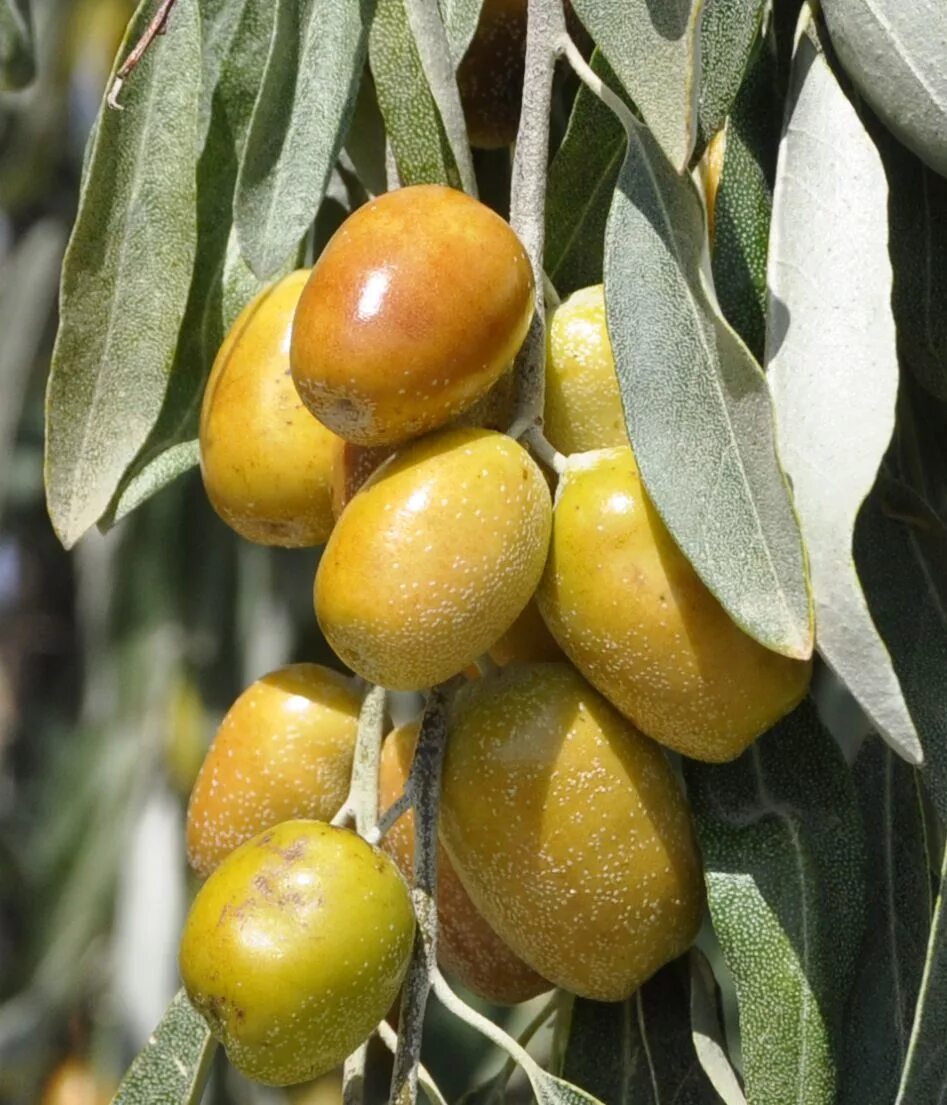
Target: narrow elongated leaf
[[881, 1007], [235, 36], [924, 1077], [894, 52], [413, 122], [707, 1030], [728, 30], [581, 184], [654, 50], [460, 21], [298, 126], [697, 407], [917, 213], [832, 364], [639, 1050], [174, 1066], [125, 278], [744, 201], [17, 51], [901, 552], [781, 838]]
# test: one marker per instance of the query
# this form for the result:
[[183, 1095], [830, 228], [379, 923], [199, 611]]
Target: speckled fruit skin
[[583, 408], [295, 948], [284, 750], [266, 462], [490, 76], [635, 619], [575, 843], [434, 558], [467, 947], [413, 311], [527, 641]]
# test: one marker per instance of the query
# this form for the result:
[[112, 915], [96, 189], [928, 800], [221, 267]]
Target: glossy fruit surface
[[434, 558], [569, 830], [527, 641], [283, 751], [583, 408], [490, 75], [467, 947], [415, 308], [295, 947], [266, 462], [635, 619]]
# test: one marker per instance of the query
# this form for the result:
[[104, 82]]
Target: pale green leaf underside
[[833, 367], [175, 1063], [17, 51], [298, 125], [654, 50], [125, 277], [460, 21], [697, 407], [412, 120], [894, 52], [781, 839]]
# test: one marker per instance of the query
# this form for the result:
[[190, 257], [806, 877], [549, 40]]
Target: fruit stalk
[[545, 29], [361, 804]]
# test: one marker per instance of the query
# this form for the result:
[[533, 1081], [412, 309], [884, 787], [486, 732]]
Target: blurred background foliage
[[116, 663]]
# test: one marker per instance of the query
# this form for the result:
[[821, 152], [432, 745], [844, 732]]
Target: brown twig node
[[156, 27]]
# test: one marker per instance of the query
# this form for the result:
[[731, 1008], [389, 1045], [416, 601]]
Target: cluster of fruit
[[361, 406]]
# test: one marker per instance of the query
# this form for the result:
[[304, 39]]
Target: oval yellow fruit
[[568, 830], [583, 408], [295, 948], [634, 617], [467, 947], [434, 558], [415, 308], [527, 641], [283, 751], [266, 462]]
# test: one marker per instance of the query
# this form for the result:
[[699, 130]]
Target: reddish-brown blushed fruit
[[569, 830], [295, 948], [284, 750], [636, 619], [266, 462], [414, 310], [434, 559], [490, 76], [467, 947]]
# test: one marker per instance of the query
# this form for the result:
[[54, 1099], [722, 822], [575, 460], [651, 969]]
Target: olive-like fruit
[[415, 308], [352, 466], [569, 831], [634, 617], [467, 947], [527, 641], [75, 1082], [295, 948], [583, 408], [283, 751], [434, 558], [490, 75], [266, 462]]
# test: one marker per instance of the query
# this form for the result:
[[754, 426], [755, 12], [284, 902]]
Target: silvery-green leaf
[[744, 201], [707, 1030], [414, 125], [728, 30], [832, 365], [581, 183], [299, 122], [460, 20], [697, 406], [639, 1050], [654, 50], [174, 1066], [894, 52], [126, 276], [891, 959], [781, 838], [17, 52]]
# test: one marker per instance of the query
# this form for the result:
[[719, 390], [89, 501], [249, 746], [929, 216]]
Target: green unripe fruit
[[295, 948]]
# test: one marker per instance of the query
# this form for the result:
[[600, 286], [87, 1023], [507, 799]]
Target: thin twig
[[390, 1039], [544, 30], [361, 804], [397, 809], [155, 27], [424, 787], [544, 449], [456, 1005]]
